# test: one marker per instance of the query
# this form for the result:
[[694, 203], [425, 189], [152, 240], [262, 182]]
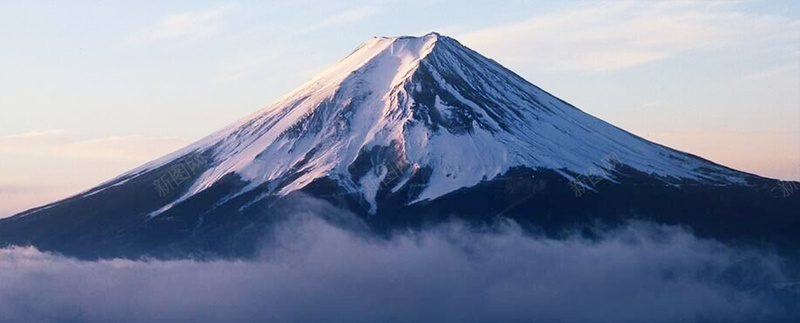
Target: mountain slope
[[397, 129]]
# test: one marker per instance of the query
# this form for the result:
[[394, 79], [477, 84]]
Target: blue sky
[[91, 89]]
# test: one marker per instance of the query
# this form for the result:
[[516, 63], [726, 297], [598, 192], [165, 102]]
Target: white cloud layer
[[312, 272]]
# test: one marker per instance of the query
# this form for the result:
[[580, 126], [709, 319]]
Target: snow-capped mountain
[[400, 125], [425, 102]]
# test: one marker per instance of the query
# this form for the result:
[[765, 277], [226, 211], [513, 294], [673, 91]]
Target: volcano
[[403, 132]]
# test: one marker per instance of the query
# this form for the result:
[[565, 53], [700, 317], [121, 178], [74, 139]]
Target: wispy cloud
[[605, 36], [341, 18], [245, 67], [350, 15], [760, 75], [189, 25], [62, 144]]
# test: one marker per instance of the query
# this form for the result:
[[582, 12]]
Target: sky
[[91, 89]]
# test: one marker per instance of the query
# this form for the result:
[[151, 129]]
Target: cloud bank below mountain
[[311, 270]]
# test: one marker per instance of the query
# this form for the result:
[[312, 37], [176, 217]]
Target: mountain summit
[[402, 131]]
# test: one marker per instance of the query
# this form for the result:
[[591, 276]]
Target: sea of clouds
[[313, 271]]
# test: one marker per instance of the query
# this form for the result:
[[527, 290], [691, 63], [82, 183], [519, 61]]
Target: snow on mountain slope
[[408, 103]]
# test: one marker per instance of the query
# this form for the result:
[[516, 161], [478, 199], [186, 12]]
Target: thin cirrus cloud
[[189, 25], [341, 18], [604, 37], [772, 72], [351, 15], [62, 144], [243, 68]]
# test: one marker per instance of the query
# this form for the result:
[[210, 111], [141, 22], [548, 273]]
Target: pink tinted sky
[[90, 90]]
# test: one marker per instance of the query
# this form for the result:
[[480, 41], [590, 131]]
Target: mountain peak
[[430, 35]]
